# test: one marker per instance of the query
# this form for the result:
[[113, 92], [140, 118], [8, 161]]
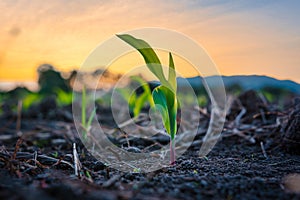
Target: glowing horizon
[[242, 38]]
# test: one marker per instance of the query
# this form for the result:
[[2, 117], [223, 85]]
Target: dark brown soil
[[39, 165]]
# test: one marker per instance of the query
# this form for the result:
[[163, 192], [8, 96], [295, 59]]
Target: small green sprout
[[137, 102], [88, 175], [146, 96], [136, 170], [31, 99], [63, 97], [164, 96], [86, 123], [55, 154]]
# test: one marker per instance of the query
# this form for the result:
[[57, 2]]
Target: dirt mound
[[291, 138]]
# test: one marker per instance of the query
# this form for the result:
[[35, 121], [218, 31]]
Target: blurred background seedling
[[86, 122], [137, 100]]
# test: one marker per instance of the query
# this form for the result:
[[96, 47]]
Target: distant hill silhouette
[[252, 82]]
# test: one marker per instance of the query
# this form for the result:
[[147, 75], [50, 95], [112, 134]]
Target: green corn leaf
[[83, 108], [146, 88], [172, 73], [172, 108], [160, 101], [142, 82], [166, 102], [128, 97], [63, 97], [135, 102], [89, 123], [139, 103], [150, 57], [131, 102]]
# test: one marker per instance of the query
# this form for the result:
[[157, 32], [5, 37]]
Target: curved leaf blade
[[150, 57], [160, 101], [146, 88], [172, 73], [167, 102], [139, 103]]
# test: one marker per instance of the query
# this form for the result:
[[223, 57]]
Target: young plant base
[[172, 152]]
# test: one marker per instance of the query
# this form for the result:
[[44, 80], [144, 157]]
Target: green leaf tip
[[150, 57], [172, 73]]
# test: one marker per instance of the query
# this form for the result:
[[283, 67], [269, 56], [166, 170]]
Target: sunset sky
[[242, 37]]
